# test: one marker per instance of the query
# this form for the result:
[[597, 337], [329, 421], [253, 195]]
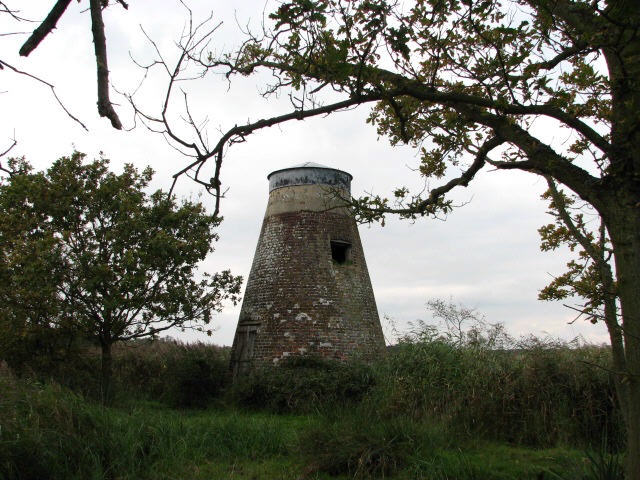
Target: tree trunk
[[624, 228], [106, 373], [633, 433]]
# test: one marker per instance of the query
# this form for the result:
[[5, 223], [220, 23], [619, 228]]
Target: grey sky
[[485, 255]]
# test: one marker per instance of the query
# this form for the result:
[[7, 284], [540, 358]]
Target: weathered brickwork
[[299, 300]]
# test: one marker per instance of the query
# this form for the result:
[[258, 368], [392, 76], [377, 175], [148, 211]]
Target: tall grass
[[437, 406], [535, 392], [303, 385], [432, 408], [167, 370], [543, 394], [48, 432]]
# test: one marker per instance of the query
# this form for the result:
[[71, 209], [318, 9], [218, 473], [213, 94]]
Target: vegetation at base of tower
[[88, 255], [440, 405], [304, 384], [548, 87]]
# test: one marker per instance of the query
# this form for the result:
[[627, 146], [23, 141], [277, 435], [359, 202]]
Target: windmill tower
[[309, 291]]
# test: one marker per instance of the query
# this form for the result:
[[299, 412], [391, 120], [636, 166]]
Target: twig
[[12, 13], [51, 86], [8, 171]]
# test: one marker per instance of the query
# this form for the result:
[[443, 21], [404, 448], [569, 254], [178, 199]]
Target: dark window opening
[[340, 251]]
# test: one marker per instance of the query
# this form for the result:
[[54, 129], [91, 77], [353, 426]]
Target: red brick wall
[[299, 301]]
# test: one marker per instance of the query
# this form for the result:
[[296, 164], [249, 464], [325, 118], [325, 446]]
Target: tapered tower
[[309, 291]]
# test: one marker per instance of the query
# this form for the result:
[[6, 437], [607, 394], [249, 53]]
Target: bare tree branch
[[47, 25], [105, 108], [13, 13], [239, 133], [51, 86], [14, 142], [4, 169]]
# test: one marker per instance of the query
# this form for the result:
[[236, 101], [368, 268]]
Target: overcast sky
[[484, 255]]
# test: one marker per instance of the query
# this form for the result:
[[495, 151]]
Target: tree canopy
[[549, 87], [90, 251]]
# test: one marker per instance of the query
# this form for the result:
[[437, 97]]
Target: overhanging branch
[[399, 85], [51, 87], [429, 204], [240, 132], [47, 25], [105, 108]]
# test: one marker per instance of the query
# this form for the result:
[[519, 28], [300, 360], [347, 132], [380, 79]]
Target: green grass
[[430, 410], [494, 462], [47, 432]]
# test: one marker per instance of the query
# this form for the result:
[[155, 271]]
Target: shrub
[[179, 374], [537, 392], [303, 384]]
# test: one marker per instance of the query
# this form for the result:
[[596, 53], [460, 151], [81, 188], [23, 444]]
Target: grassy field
[[432, 409], [50, 432]]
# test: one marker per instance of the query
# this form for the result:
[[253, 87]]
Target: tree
[[26, 333], [94, 254], [470, 84], [45, 27]]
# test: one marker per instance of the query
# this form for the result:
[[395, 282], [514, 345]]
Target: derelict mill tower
[[308, 291]]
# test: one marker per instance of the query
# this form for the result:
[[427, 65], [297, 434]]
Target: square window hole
[[340, 251]]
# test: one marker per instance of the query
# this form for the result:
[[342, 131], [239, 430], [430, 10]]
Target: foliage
[[480, 381], [472, 84], [50, 433], [590, 275], [303, 384], [111, 262], [176, 373]]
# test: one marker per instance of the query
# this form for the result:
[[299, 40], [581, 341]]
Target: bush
[[303, 384], [179, 374], [48, 432], [537, 392]]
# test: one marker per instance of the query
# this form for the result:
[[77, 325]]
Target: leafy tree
[[88, 251], [26, 334], [469, 84]]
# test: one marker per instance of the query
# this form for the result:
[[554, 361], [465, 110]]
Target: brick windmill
[[309, 291]]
